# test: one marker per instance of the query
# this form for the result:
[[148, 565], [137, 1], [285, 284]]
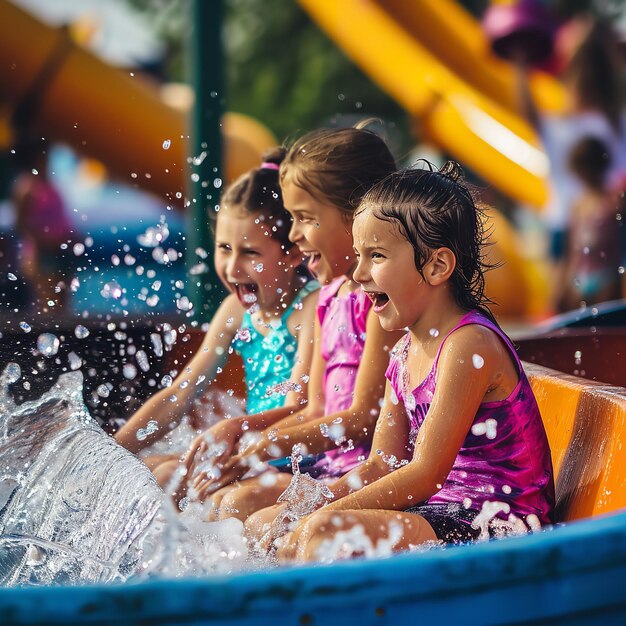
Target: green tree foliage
[[280, 68], [285, 72]]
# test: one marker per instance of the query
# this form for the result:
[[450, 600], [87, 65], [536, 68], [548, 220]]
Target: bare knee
[[164, 472], [258, 523], [230, 505]]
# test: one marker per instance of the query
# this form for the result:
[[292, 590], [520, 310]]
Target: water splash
[[75, 507]]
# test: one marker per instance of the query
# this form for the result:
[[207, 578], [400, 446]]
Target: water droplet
[[184, 304], [199, 268], [25, 326], [153, 236], [78, 249], [13, 372], [48, 344], [166, 144], [103, 391], [477, 361], [142, 360], [129, 371], [157, 344], [11, 276], [74, 360], [81, 332], [112, 289]]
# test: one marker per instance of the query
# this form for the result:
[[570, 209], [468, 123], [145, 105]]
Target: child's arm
[[229, 431], [390, 449], [169, 404], [358, 420], [461, 387], [315, 392], [301, 324]]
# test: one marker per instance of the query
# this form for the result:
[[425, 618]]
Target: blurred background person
[[592, 77], [42, 226], [593, 245]]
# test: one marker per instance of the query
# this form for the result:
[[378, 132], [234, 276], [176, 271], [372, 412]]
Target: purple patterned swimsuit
[[343, 320], [504, 465]]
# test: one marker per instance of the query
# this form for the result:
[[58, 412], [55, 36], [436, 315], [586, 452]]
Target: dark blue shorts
[[451, 522]]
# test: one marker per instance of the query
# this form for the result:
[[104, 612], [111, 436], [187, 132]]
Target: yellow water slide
[[73, 97], [432, 57]]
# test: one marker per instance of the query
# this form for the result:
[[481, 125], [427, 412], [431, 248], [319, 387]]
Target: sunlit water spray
[[75, 507]]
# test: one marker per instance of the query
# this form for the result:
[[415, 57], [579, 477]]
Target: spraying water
[[75, 507]]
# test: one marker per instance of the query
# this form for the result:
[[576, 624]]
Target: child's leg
[[251, 495], [258, 523], [155, 460], [164, 471], [215, 501], [322, 527]]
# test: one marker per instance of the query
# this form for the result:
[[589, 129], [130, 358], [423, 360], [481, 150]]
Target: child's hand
[[205, 483], [226, 434], [193, 456]]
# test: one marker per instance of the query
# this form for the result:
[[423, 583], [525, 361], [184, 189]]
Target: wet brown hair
[[258, 192], [436, 209], [338, 166]]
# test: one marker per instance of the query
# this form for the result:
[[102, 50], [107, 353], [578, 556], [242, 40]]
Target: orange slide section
[[105, 113], [432, 58]]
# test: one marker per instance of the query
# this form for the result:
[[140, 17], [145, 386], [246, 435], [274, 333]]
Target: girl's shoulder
[[304, 312], [356, 302], [330, 291], [327, 294], [479, 341], [230, 313]]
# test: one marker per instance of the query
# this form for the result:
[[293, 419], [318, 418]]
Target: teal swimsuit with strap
[[269, 359]]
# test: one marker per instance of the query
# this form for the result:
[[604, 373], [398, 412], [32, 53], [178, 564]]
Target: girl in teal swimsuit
[[268, 317]]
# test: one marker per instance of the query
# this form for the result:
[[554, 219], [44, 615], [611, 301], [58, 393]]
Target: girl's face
[[387, 273], [252, 264], [321, 231]]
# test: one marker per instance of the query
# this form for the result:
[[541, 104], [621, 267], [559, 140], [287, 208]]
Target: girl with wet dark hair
[[267, 317], [459, 451]]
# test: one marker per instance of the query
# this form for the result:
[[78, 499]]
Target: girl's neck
[[283, 303], [350, 284], [440, 317]]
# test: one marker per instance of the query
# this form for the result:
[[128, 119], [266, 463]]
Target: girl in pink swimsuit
[[459, 451], [322, 178]]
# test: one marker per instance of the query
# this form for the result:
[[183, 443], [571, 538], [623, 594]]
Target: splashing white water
[[75, 507]]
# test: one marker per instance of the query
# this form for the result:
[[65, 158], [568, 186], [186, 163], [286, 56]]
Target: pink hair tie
[[267, 165]]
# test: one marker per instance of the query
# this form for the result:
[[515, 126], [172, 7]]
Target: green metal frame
[[204, 185]]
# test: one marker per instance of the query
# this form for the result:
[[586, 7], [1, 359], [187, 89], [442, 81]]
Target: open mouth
[[379, 299], [247, 293], [313, 260]]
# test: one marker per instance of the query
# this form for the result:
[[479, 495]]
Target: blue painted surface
[[574, 574]]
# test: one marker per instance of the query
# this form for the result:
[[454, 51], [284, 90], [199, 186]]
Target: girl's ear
[[440, 267]]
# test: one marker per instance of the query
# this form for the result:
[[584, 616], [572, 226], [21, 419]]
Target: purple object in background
[[523, 29]]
